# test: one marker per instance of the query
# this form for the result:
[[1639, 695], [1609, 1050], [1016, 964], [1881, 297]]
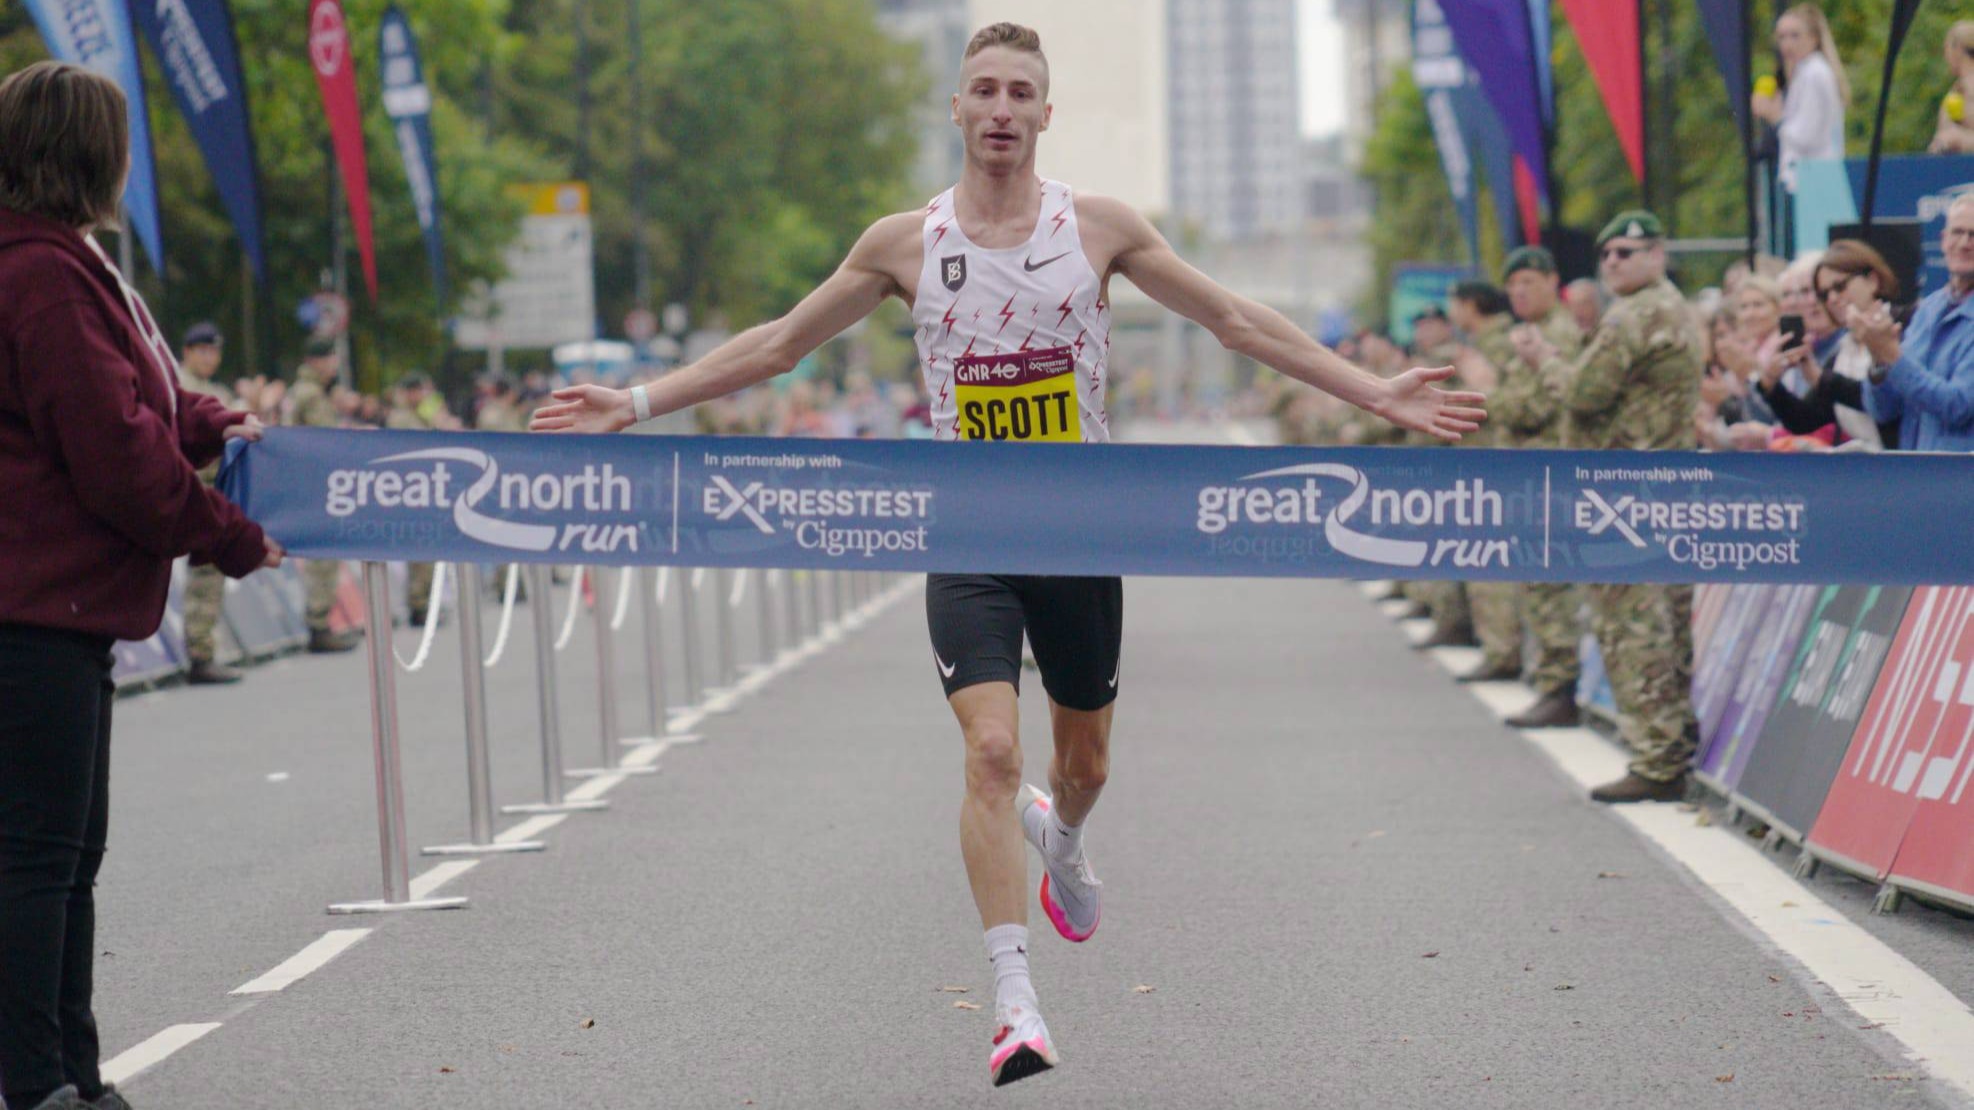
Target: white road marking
[[422, 886], [645, 756], [594, 788], [326, 947], [531, 828], [129, 1063], [1458, 660], [1888, 991], [150, 1052]]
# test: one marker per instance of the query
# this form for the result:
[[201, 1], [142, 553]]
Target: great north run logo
[[391, 483], [1264, 500]]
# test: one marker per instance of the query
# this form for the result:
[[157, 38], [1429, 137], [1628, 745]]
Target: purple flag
[[1497, 41], [1727, 33]]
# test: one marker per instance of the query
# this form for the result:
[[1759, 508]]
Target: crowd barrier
[[1598, 516], [1843, 717], [1782, 669]]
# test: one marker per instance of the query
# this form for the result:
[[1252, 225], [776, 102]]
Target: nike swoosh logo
[[946, 668], [1114, 674], [1031, 265]]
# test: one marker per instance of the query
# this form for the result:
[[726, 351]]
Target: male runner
[[1011, 273]]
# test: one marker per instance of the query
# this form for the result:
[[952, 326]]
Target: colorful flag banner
[[96, 34], [408, 102], [335, 73], [200, 55]]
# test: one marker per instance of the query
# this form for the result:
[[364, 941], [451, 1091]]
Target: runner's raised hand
[[1413, 402], [593, 409]]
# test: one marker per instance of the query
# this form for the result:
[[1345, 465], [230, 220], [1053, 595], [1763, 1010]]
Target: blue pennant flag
[[196, 47], [96, 34], [408, 102]]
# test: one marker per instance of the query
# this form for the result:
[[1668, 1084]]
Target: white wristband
[[641, 403]]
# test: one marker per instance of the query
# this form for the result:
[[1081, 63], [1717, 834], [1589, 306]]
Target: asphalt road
[[1343, 883]]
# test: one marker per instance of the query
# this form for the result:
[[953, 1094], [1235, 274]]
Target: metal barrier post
[[792, 601], [541, 599], [845, 599], [390, 777], [723, 582], [813, 591], [769, 648], [695, 692], [606, 686], [473, 680]]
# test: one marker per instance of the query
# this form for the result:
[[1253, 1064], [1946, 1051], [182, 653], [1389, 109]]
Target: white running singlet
[[1013, 343]]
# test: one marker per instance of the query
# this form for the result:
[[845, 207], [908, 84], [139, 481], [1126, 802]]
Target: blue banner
[[200, 57], [1589, 516], [408, 102], [1442, 78], [1726, 22], [1495, 38], [96, 34]]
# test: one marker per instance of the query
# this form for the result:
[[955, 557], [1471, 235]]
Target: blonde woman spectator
[[1955, 132], [1809, 113]]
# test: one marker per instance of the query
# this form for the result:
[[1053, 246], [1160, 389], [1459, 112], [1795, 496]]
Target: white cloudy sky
[[1321, 56]]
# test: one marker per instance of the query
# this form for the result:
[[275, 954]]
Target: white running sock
[[1007, 950], [1065, 842]]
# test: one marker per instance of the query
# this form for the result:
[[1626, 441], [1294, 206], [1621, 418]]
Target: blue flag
[[408, 102], [96, 34], [1443, 79], [200, 56]]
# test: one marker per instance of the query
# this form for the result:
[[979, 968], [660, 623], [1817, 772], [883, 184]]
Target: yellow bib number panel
[[1023, 396]]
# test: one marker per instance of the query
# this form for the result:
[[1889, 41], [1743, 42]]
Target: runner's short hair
[[64, 144], [1014, 36]]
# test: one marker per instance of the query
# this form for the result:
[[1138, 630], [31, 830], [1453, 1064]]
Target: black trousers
[[55, 695]]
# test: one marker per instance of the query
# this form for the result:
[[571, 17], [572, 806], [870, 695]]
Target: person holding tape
[[100, 446], [1007, 276]]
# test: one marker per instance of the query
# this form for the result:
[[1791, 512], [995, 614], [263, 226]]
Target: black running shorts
[[1075, 626]]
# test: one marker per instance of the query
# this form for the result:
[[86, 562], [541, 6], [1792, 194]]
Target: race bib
[[1026, 396]]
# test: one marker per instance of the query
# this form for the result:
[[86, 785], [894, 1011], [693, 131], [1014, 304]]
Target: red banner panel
[[1910, 759]]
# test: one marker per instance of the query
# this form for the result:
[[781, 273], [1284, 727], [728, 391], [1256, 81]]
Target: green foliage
[[1697, 164], [773, 130]]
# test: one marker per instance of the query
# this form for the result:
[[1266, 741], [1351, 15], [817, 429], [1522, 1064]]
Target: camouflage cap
[[1528, 258], [1634, 224]]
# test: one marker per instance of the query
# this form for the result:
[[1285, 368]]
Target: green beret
[[1635, 224], [1528, 258]]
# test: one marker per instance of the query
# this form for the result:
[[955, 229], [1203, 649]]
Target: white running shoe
[[1021, 1046], [1071, 895]]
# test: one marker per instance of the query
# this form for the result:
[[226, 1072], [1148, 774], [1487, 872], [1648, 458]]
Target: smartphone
[[1794, 329]]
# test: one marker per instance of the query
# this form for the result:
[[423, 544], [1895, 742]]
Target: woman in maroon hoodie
[[98, 493]]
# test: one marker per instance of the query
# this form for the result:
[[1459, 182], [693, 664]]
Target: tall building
[[939, 28], [1236, 143], [1380, 37]]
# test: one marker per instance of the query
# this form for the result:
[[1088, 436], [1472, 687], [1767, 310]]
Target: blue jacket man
[[1925, 379]]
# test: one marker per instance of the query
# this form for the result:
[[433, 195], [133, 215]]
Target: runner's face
[[1002, 106]]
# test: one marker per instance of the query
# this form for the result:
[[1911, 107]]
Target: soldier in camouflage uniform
[[1634, 388], [1481, 310], [408, 409], [205, 587], [1530, 414], [311, 406], [1453, 625]]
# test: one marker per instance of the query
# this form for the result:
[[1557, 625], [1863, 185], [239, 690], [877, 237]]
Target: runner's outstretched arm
[[755, 355], [1259, 332]]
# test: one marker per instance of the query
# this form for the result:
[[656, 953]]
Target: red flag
[[1607, 31], [329, 53]]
